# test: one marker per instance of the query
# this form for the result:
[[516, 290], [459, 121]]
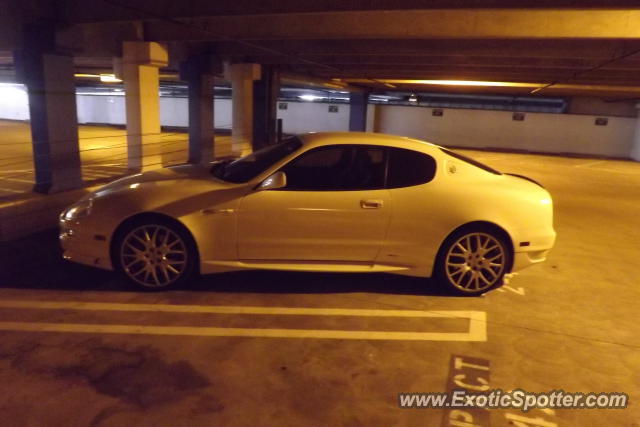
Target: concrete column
[[265, 104], [373, 122], [635, 146], [50, 83], [198, 71], [140, 64], [242, 77], [358, 111]]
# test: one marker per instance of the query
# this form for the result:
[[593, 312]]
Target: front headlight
[[77, 211]]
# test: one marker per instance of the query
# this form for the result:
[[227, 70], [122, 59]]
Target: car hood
[[161, 185], [180, 172]]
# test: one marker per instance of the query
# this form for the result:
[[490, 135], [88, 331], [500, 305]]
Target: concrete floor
[[570, 324], [103, 152]]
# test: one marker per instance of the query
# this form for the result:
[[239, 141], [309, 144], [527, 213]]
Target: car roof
[[365, 138]]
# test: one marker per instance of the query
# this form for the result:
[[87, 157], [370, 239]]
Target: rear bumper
[[532, 246], [525, 259]]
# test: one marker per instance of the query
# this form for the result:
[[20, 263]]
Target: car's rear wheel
[[473, 261], [155, 255]]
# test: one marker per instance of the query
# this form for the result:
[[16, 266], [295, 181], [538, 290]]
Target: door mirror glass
[[273, 182]]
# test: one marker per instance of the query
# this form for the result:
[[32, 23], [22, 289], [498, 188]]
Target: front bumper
[[83, 247]]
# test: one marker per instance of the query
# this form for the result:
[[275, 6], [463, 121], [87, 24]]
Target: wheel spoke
[[494, 274], [165, 273], [462, 248], [477, 280], [484, 279], [133, 249], [132, 263], [172, 269], [491, 248], [139, 239], [493, 258]]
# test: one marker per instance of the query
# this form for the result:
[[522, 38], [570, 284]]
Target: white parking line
[[477, 330]]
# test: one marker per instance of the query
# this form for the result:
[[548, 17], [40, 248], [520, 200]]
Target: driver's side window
[[337, 168]]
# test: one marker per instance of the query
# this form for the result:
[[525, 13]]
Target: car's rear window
[[471, 161]]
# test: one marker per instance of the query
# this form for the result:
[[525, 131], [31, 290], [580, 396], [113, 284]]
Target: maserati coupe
[[318, 202]]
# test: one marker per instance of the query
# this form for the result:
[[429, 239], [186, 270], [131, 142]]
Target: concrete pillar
[[198, 71], [265, 104], [140, 64], [635, 148], [358, 111], [242, 77], [373, 115], [48, 75]]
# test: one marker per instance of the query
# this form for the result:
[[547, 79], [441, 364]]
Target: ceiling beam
[[123, 10], [501, 77], [487, 63], [513, 48], [413, 24]]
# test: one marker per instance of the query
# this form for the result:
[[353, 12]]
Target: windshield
[[248, 167], [471, 161]]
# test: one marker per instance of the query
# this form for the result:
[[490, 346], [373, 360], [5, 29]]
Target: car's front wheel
[[473, 261], [155, 255]]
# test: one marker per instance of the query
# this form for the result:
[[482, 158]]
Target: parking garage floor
[[103, 153], [107, 356]]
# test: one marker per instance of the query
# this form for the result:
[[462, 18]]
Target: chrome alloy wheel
[[153, 255], [475, 262]]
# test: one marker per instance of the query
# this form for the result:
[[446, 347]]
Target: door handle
[[370, 204]]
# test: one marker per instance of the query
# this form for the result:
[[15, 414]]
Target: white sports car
[[333, 202]]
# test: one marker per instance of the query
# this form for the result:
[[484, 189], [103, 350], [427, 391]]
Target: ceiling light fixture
[[109, 78], [453, 83], [104, 78], [309, 97]]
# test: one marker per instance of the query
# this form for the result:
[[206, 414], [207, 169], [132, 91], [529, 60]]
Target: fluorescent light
[[470, 83], [413, 98], [452, 83], [104, 78], [309, 97], [109, 78]]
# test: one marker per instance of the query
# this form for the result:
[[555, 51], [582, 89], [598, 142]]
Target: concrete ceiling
[[560, 47]]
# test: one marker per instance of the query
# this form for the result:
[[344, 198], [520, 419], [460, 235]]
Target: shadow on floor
[[36, 262]]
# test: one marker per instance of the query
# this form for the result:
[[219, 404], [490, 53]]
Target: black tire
[[473, 260], [154, 254]]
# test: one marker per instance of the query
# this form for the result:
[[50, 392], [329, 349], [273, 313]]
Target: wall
[[101, 109], [302, 117], [599, 106], [173, 111], [299, 117], [14, 104], [541, 132]]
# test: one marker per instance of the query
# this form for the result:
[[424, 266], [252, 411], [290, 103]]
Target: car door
[[333, 208], [416, 228]]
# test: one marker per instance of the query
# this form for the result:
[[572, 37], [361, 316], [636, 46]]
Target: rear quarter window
[[408, 168]]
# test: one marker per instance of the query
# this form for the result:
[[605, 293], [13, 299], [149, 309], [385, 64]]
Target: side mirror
[[273, 182]]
